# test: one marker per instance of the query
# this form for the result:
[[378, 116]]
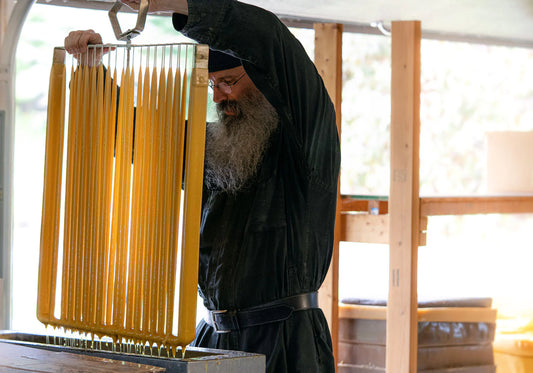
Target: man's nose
[[218, 96]]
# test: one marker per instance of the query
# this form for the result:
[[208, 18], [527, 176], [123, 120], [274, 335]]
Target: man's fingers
[[76, 42], [89, 38]]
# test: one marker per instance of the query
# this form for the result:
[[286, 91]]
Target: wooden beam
[[355, 205], [432, 206], [430, 314], [369, 228], [363, 312], [402, 343], [365, 228], [328, 60], [460, 205], [350, 204], [458, 314]]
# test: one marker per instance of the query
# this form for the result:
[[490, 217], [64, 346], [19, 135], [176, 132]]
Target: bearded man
[[269, 199], [236, 142]]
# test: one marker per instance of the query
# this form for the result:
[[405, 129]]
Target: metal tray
[[196, 359]]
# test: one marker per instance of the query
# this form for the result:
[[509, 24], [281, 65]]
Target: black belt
[[225, 321]]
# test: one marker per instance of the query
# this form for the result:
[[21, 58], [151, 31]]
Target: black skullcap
[[221, 61]]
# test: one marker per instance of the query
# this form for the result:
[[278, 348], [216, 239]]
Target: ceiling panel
[[490, 21], [496, 20]]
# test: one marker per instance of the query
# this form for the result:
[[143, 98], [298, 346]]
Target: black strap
[[225, 321]]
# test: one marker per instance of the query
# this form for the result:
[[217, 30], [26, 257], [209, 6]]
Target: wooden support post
[[404, 199], [328, 60]]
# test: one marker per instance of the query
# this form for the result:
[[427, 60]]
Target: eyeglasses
[[225, 87]]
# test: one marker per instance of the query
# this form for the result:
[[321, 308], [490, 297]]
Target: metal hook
[[381, 27], [139, 26]]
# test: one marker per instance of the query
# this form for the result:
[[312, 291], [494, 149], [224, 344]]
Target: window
[[467, 90]]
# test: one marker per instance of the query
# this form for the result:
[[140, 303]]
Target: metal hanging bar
[[139, 26]]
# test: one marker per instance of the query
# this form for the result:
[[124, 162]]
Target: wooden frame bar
[[365, 228], [430, 314], [402, 343], [433, 206], [328, 60], [369, 228], [350, 204], [461, 205], [359, 224]]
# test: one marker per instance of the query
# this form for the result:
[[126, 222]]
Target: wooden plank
[[458, 314], [459, 205], [365, 228], [430, 314], [368, 228], [432, 206], [328, 60], [364, 312], [350, 204], [356, 205], [401, 356]]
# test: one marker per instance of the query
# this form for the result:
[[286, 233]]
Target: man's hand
[[76, 43], [160, 6]]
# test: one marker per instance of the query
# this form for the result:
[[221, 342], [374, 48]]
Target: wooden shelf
[[364, 204], [430, 314], [435, 206], [359, 223]]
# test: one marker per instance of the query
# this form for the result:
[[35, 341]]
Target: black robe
[[273, 238]]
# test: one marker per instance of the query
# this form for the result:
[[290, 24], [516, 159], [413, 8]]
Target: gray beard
[[235, 145]]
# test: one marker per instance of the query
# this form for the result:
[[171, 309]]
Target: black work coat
[[274, 238]]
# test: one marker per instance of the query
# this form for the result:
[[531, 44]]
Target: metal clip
[[131, 33]]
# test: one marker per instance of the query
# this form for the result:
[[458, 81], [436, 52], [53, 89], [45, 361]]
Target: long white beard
[[235, 145]]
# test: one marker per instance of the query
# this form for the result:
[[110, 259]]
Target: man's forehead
[[226, 74]]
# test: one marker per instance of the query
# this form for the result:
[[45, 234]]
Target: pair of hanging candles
[[111, 235]]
